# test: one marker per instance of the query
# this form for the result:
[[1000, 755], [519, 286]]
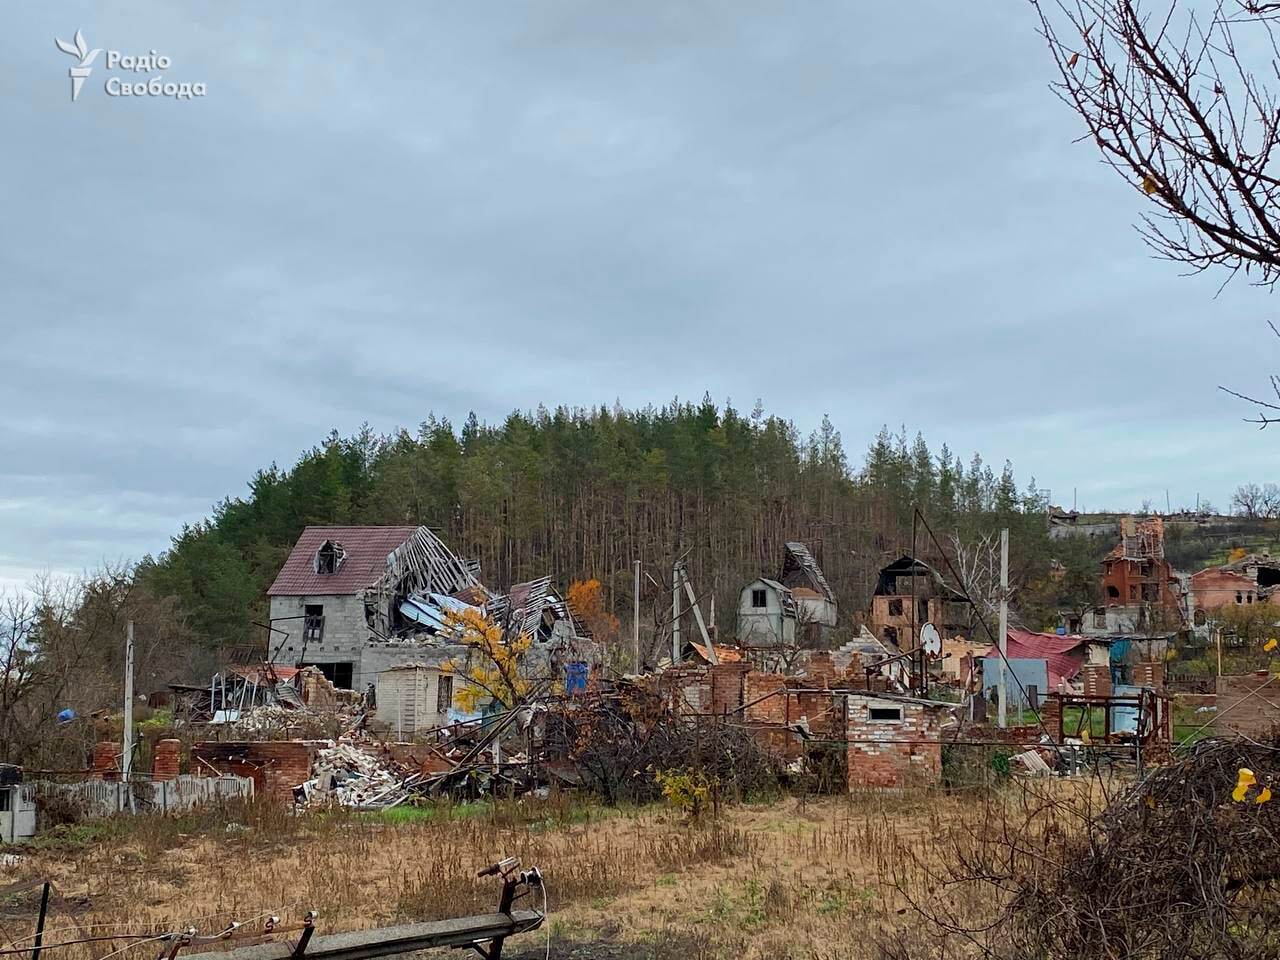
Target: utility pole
[[675, 613], [1002, 689], [635, 622], [126, 762]]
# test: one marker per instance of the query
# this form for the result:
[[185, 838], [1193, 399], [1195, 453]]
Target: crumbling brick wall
[[1248, 704], [1149, 674], [728, 686], [1096, 678], [275, 767], [902, 753]]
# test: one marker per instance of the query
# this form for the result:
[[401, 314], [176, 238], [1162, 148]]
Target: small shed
[[414, 697], [17, 806]]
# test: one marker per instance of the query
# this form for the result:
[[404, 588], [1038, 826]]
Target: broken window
[[1239, 597], [891, 635], [444, 693], [1200, 618], [313, 623], [1248, 598], [1100, 618], [1133, 591], [4, 801], [759, 599], [329, 557], [1112, 592], [895, 607], [884, 714]]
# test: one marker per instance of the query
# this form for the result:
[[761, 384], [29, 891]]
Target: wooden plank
[[390, 941]]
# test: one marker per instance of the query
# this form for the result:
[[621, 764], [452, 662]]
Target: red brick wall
[[894, 754], [1149, 674], [727, 686], [105, 764], [1097, 679], [166, 762], [275, 767], [1248, 704]]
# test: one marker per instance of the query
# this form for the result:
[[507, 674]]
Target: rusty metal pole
[[44, 909]]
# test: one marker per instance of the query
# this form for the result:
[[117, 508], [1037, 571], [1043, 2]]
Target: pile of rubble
[[346, 775]]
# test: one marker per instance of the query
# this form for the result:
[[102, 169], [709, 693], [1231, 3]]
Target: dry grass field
[[791, 878]]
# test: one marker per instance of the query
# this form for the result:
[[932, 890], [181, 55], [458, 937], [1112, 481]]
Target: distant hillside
[[579, 493]]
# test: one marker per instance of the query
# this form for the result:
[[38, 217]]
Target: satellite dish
[[931, 640]]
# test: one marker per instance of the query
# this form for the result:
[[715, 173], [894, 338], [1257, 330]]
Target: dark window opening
[[1239, 597], [4, 800], [1268, 576], [444, 693], [329, 557], [884, 714], [1113, 593], [891, 635], [895, 608], [313, 623], [759, 599], [1200, 618], [1133, 591], [923, 615], [339, 674]]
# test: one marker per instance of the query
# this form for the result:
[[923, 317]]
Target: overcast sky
[[875, 211]]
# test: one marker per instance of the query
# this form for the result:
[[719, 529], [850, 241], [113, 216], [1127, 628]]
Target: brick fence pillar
[[167, 760], [105, 765]]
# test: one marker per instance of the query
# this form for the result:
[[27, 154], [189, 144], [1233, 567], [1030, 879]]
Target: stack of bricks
[[1248, 704], [887, 753], [1097, 679], [1150, 675], [105, 764], [275, 767], [166, 762]]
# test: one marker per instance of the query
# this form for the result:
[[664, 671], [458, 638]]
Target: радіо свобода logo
[[86, 56], [151, 64]]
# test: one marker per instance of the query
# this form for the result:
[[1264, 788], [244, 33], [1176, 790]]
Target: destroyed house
[[344, 586], [909, 594], [1252, 579], [1136, 578], [799, 605]]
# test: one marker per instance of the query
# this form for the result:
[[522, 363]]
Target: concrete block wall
[[345, 632], [1248, 704]]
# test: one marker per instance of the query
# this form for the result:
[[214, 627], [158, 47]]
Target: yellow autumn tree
[[586, 599], [491, 670]]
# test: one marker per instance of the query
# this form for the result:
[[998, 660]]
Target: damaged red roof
[[365, 559], [1064, 655]]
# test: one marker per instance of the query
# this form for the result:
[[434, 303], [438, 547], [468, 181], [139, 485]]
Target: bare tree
[[1256, 500], [1176, 99], [978, 563]]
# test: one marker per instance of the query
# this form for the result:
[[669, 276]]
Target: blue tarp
[[575, 678]]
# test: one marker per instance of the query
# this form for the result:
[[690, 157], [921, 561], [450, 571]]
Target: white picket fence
[[102, 798]]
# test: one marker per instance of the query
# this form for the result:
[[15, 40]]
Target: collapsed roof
[[904, 566], [800, 569]]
